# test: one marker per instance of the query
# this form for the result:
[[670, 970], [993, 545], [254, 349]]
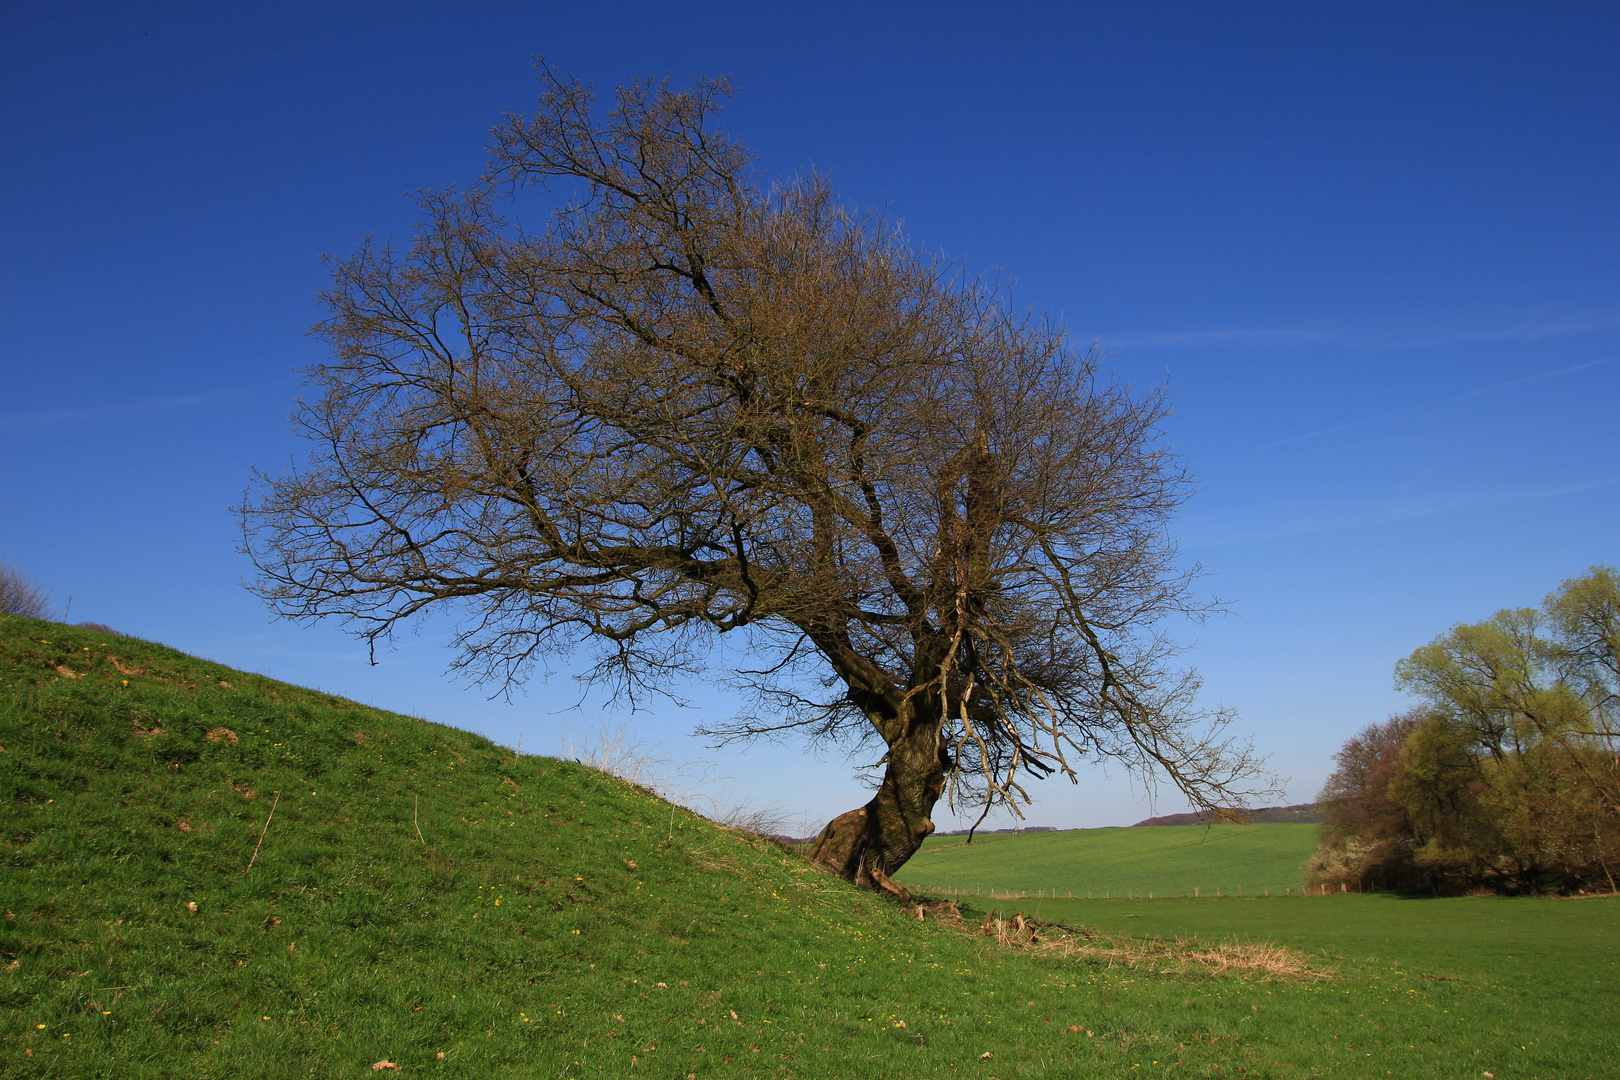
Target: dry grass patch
[[1178, 956]]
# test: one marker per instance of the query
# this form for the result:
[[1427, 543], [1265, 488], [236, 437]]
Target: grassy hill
[[205, 873], [1165, 860]]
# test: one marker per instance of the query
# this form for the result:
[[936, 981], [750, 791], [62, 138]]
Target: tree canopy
[[696, 403]]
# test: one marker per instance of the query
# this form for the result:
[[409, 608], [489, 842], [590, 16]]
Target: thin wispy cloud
[[1418, 407], [1526, 379]]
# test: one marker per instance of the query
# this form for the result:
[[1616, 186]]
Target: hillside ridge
[[1298, 814]]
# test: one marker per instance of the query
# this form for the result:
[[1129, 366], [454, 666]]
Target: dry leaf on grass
[[384, 1064]]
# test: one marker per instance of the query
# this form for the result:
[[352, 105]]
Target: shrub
[[1364, 838], [20, 596]]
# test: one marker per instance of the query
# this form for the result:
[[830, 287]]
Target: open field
[[1535, 983], [1165, 860], [421, 897]]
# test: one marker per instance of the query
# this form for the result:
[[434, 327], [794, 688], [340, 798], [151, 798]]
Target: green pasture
[[1525, 987], [374, 888], [1164, 860]]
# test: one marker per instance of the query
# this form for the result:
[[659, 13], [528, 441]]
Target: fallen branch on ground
[[262, 832]]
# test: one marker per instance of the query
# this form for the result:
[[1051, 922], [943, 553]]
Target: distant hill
[[1302, 814]]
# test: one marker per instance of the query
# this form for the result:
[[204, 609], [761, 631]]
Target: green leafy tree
[[1441, 787], [1585, 617]]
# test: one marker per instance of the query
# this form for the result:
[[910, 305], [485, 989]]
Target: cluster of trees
[[1507, 775]]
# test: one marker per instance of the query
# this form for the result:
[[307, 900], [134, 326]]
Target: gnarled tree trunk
[[869, 843]]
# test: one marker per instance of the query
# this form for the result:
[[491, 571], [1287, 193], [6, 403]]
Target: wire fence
[[1193, 893]]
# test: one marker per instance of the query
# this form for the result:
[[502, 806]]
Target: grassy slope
[[1166, 860], [514, 936]]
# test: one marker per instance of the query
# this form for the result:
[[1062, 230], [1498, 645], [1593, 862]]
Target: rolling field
[[206, 873], [1165, 860]]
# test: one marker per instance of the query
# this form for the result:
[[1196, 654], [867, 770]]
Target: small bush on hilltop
[[20, 596]]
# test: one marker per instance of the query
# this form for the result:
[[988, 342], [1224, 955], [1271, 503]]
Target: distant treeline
[[1303, 814]]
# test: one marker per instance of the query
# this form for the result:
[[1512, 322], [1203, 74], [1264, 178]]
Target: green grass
[[1165, 860], [1427, 987], [420, 893]]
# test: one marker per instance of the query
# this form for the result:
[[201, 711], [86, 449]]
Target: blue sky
[[1372, 247]]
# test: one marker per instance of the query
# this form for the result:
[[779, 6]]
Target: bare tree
[[696, 405], [1365, 836], [20, 596]]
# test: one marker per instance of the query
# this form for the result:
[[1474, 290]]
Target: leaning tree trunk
[[868, 844]]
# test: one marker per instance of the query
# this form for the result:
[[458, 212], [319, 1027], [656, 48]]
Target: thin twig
[[262, 832], [414, 807]]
